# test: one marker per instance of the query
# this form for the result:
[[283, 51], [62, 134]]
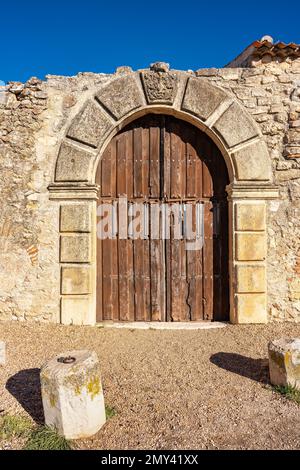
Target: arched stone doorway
[[159, 166], [212, 110]]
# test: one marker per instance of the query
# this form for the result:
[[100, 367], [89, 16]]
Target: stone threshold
[[141, 325]]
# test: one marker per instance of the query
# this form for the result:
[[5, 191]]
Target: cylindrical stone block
[[284, 362], [72, 394]]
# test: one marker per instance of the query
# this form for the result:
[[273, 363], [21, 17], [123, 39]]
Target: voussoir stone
[[91, 125], [284, 362], [72, 394], [160, 87], [235, 126], [252, 163], [201, 98], [121, 96], [73, 163]]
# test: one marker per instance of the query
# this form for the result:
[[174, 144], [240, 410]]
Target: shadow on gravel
[[25, 387], [254, 369]]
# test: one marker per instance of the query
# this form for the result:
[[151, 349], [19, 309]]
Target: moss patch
[[14, 426], [292, 393], [46, 438], [94, 386], [109, 411]]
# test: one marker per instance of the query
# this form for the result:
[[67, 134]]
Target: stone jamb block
[[250, 216], [75, 217], [75, 280], [75, 248], [250, 246], [251, 308], [250, 278], [77, 310]]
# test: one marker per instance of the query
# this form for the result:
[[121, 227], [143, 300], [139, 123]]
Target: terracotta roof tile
[[264, 47]]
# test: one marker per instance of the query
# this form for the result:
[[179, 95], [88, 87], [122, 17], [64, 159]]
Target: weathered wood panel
[[161, 159]]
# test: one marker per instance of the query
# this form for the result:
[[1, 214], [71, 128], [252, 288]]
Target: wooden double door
[[154, 164]]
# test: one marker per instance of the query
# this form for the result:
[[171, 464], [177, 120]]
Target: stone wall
[[34, 119], [271, 93]]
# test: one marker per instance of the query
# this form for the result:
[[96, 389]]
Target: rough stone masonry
[[35, 118]]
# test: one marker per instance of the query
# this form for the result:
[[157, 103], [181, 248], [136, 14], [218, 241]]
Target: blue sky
[[66, 37]]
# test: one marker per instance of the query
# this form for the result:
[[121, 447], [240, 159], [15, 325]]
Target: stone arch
[[190, 98], [209, 108]]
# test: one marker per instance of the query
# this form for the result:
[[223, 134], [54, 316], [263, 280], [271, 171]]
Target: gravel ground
[[201, 389]]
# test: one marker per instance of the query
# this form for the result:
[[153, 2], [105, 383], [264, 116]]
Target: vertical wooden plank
[[207, 190], [121, 164], [176, 162], [198, 167], [168, 280], [145, 184], [220, 229], [115, 279], [225, 259], [159, 164], [108, 171], [175, 281], [217, 256], [137, 162], [191, 172], [222, 297], [208, 263], [139, 294], [110, 280], [106, 281], [129, 163], [125, 275], [166, 155], [157, 280], [99, 288], [194, 279], [167, 176], [206, 181], [186, 309], [154, 170], [147, 278]]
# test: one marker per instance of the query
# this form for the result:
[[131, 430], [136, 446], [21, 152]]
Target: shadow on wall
[[254, 369], [25, 387]]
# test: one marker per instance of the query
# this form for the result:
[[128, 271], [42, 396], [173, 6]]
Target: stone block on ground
[[284, 362], [72, 394]]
